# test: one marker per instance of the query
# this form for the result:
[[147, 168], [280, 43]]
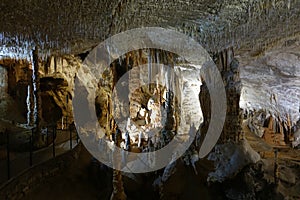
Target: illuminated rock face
[[156, 105], [272, 82], [57, 85], [187, 88], [15, 76], [57, 82], [230, 158]]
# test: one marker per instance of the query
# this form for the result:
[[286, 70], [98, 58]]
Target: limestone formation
[[146, 97]]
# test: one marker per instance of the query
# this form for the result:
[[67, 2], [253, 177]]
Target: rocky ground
[[288, 160]]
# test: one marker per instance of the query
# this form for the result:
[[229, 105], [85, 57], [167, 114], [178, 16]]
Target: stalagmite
[[55, 64], [118, 189], [228, 66], [296, 141]]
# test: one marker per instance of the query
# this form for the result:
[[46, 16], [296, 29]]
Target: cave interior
[[146, 98]]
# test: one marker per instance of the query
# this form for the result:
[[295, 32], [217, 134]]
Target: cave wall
[[271, 82], [57, 82], [57, 85], [16, 75]]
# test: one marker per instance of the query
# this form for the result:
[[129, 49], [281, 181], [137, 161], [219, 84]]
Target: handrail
[[35, 166], [69, 137], [31, 174]]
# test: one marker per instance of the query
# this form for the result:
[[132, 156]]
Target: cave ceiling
[[75, 26]]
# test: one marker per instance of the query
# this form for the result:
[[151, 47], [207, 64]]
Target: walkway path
[[21, 161]]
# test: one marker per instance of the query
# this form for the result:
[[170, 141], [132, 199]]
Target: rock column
[[229, 69]]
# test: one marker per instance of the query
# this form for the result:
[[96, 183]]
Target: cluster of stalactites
[[74, 26], [141, 65], [253, 25]]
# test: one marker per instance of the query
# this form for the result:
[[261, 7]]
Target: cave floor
[[86, 180], [266, 150], [79, 181], [288, 160], [75, 183]]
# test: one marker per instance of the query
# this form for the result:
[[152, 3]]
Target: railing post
[[67, 102], [30, 148], [47, 136], [70, 129], [77, 136], [8, 156], [66, 122], [53, 142]]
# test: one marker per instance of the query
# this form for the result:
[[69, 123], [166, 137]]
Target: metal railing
[[17, 157]]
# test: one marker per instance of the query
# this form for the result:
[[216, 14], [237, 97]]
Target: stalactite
[[169, 104], [32, 100], [154, 60], [55, 64], [159, 78], [149, 68], [172, 74], [127, 62], [114, 72], [288, 129], [47, 65], [140, 56], [107, 114], [30, 106], [270, 125]]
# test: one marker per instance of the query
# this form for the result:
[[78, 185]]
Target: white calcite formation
[[296, 141], [14, 77], [272, 82], [229, 159]]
